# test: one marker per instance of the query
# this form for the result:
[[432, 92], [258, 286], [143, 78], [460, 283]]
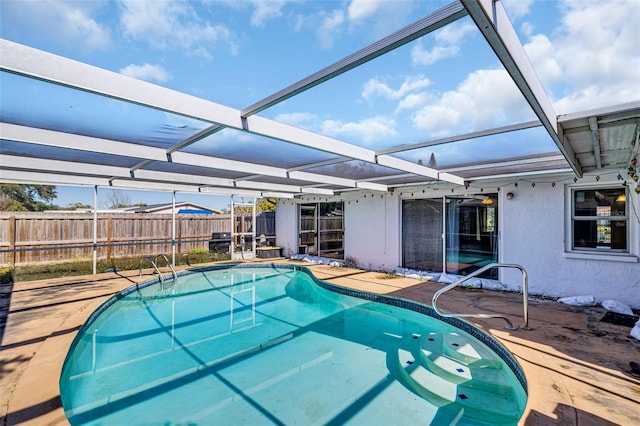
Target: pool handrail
[[173, 271], [525, 296], [155, 266]]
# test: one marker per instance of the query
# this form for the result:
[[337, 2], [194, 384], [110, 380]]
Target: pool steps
[[459, 380]]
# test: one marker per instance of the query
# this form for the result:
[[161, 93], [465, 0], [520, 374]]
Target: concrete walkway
[[576, 365]]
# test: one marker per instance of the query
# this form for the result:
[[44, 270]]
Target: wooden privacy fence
[[30, 238]]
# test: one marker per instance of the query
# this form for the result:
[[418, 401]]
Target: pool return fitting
[[525, 296]]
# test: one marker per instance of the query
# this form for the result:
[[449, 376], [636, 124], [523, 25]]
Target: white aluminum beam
[[48, 178], [152, 185], [85, 143], [317, 191], [506, 163], [397, 163], [372, 186], [45, 137], [466, 136], [181, 178], [267, 186], [614, 112], [55, 166], [521, 174], [225, 164], [492, 20], [434, 21], [273, 129], [24, 60], [312, 177], [448, 177], [277, 195], [106, 146], [244, 192]]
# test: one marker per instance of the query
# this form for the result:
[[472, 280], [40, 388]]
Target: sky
[[586, 54]]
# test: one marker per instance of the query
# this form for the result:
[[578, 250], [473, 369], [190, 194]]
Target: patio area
[[576, 365]]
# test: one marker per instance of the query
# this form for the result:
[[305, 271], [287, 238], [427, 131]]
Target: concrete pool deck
[[577, 366]]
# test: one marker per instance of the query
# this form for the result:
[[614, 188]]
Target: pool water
[[271, 345]]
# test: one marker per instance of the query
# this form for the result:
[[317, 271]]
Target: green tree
[[263, 205], [17, 197]]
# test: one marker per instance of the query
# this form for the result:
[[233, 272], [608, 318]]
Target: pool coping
[[562, 379]]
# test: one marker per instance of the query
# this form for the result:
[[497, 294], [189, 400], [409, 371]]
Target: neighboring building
[[180, 208]]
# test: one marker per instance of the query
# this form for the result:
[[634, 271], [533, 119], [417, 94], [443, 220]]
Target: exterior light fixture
[[509, 195]]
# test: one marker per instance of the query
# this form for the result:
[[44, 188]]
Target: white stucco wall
[[372, 230], [533, 228], [287, 227]]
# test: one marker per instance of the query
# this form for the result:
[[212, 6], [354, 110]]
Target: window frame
[[572, 218]]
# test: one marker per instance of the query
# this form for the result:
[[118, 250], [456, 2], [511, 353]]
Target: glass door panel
[[330, 230], [471, 234], [308, 230], [422, 222]]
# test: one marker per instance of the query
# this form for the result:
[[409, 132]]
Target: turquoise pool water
[[272, 345]]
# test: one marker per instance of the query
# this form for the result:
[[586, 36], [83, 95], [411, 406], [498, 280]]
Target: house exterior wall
[[535, 237], [372, 230], [533, 227], [287, 227]]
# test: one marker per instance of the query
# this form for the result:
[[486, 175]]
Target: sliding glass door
[[422, 222], [322, 230], [469, 225]]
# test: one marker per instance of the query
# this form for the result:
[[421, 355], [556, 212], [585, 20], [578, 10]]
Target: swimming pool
[[272, 345]]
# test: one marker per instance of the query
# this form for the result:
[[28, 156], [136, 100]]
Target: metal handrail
[[150, 259], [525, 296], [173, 271], [155, 266]]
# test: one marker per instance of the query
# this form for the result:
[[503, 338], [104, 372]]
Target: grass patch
[[85, 266]]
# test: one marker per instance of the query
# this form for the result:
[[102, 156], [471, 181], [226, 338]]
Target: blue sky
[[237, 52]]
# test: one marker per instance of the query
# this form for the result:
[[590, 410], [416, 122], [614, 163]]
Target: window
[[599, 220]]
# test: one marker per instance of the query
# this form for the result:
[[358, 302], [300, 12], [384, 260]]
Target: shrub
[[5, 275]]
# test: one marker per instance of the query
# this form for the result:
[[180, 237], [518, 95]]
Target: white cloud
[[360, 9], [173, 25], [413, 101], [368, 130], [266, 10], [79, 26], [71, 22], [374, 88], [147, 72], [486, 98], [516, 9], [263, 10], [527, 28], [447, 44], [378, 18], [454, 33], [298, 119], [592, 59], [329, 28], [421, 56]]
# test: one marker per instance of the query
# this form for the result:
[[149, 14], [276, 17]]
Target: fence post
[[109, 238], [179, 235], [12, 246]]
